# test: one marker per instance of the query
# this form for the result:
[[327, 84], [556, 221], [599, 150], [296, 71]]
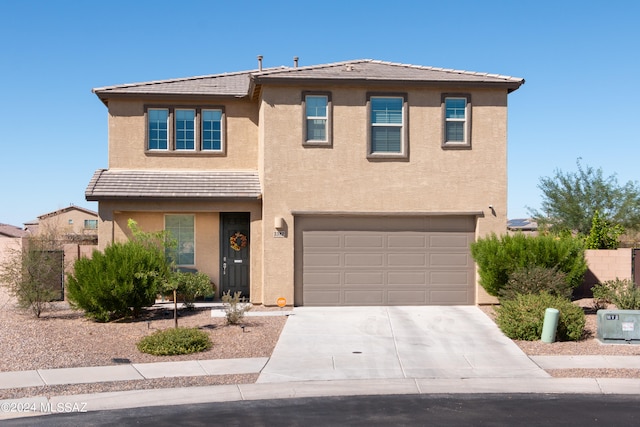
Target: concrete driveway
[[332, 343]]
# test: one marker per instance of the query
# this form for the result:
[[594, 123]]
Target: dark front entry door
[[235, 240]]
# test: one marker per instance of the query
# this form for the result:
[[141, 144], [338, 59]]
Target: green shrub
[[189, 285], [234, 307], [623, 293], [497, 258], [119, 281], [603, 234], [522, 318], [175, 341], [535, 279]]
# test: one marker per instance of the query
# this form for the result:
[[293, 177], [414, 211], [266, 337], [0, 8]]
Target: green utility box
[[619, 326]]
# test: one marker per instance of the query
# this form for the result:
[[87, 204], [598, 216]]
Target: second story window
[[456, 121], [317, 118], [212, 130], [91, 224], [388, 133], [196, 130], [158, 128], [185, 129]]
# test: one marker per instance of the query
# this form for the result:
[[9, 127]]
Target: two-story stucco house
[[353, 183]]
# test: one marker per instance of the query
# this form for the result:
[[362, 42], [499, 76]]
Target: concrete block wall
[[606, 264]]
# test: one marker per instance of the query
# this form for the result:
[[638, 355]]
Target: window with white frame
[[388, 133], [158, 125], [185, 134], [456, 121], [181, 230], [211, 130], [91, 224], [198, 130], [317, 118]]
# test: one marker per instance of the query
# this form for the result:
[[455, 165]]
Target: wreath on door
[[238, 241]]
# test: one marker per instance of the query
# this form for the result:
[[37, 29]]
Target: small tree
[[571, 199], [603, 235], [33, 274]]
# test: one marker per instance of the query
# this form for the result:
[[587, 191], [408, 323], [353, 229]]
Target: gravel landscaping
[[63, 338]]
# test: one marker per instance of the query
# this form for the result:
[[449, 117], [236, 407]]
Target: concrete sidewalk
[[340, 352]]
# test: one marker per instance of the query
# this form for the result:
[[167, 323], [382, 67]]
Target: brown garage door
[[388, 265]]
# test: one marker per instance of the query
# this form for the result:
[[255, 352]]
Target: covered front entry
[[234, 253], [417, 260]]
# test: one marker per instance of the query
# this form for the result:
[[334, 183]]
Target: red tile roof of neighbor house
[[243, 83], [12, 231], [154, 184]]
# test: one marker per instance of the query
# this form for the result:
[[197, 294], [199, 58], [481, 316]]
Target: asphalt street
[[396, 410]]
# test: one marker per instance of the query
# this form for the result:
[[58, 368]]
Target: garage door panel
[[325, 297], [372, 297], [406, 241], [373, 278], [395, 278], [322, 260], [449, 297], [323, 279], [452, 278], [332, 241], [355, 241], [407, 260], [449, 241], [407, 297], [448, 260], [363, 260]]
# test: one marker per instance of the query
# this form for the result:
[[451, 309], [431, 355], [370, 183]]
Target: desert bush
[[32, 273], [175, 341], [234, 307], [522, 318], [623, 293], [118, 282], [535, 279], [497, 258], [189, 285]]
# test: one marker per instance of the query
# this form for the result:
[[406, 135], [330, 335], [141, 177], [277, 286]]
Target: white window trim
[[195, 129], [222, 131], [147, 141]]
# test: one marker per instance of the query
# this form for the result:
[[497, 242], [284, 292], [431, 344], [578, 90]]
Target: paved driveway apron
[[331, 343]]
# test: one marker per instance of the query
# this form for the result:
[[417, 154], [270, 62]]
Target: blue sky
[[580, 60]]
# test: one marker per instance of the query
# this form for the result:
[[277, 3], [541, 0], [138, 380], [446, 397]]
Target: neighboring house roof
[[12, 231], [153, 184], [67, 209], [246, 83], [522, 224]]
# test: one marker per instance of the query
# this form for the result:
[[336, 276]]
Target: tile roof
[[239, 84], [12, 231], [155, 184], [67, 209]]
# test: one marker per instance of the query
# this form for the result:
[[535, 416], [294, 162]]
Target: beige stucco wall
[[69, 222], [127, 138], [342, 179]]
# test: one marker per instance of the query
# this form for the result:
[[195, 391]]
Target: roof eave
[[510, 85]]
